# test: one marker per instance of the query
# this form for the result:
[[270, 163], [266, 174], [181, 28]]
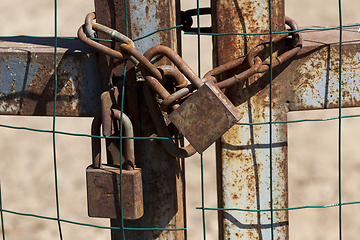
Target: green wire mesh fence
[[203, 208]]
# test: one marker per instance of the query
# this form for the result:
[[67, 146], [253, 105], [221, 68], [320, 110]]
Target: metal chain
[[156, 77]]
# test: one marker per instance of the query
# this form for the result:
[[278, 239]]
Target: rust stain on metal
[[310, 81], [162, 173], [111, 13], [201, 127], [104, 183], [28, 80], [245, 150], [314, 75], [243, 17]]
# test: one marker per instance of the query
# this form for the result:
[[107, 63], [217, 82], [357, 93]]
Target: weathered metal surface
[[111, 13], [242, 16], [314, 75], [103, 192], [27, 81], [163, 187], [243, 153], [205, 116], [162, 173], [308, 81], [104, 182], [144, 17], [148, 16]]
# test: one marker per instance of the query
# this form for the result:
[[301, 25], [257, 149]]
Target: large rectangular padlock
[[104, 183], [205, 116]]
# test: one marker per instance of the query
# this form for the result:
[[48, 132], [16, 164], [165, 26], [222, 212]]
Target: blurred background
[[27, 172]]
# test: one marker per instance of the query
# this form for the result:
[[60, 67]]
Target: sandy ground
[[27, 171]]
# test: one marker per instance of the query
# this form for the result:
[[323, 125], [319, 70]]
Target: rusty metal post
[[163, 175], [243, 153], [308, 81]]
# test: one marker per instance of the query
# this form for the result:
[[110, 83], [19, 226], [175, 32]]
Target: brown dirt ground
[[26, 168]]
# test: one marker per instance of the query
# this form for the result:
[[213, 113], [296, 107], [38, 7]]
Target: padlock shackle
[[128, 132], [161, 128], [96, 142]]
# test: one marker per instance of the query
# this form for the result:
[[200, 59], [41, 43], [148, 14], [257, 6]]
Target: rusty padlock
[[206, 114], [104, 183]]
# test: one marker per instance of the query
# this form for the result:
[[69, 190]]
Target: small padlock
[[104, 183]]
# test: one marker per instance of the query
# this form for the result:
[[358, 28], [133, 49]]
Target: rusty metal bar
[[243, 153], [314, 74], [163, 175], [27, 78], [308, 81]]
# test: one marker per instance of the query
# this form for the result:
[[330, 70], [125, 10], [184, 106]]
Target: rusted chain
[[177, 60], [255, 63], [244, 75], [174, 73], [210, 75], [296, 42], [181, 66], [99, 47], [156, 77], [88, 25], [130, 52]]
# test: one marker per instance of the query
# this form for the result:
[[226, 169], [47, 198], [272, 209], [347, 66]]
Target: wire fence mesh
[[18, 198]]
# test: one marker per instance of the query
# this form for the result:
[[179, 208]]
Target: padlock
[[104, 183], [206, 114]]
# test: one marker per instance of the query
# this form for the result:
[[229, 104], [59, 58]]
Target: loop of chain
[[255, 63], [295, 42]]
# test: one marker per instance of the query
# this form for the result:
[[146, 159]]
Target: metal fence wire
[[272, 211]]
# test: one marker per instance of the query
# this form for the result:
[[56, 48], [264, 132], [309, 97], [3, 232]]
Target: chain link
[[156, 77]]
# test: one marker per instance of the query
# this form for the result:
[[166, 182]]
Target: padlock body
[[205, 116], [103, 192]]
